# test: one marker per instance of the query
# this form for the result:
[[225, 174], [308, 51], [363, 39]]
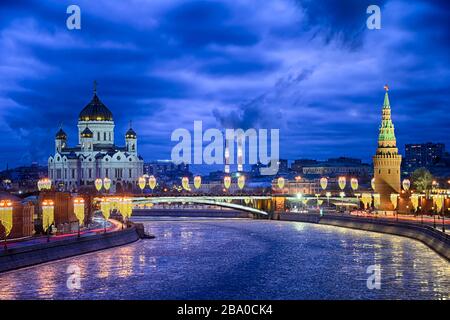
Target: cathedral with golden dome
[[96, 155]]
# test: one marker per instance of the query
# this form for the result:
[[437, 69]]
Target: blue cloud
[[310, 68]]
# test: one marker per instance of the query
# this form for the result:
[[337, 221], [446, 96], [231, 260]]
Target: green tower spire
[[386, 136]]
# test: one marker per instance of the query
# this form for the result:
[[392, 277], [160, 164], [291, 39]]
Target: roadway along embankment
[[26, 256], [434, 239]]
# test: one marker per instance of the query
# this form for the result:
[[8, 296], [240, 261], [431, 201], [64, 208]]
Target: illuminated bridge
[[263, 205]]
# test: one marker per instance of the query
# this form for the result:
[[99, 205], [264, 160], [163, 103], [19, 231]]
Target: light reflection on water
[[242, 259]]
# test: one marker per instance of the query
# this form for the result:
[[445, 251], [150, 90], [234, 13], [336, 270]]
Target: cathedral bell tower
[[86, 139], [60, 140], [131, 141], [387, 160]]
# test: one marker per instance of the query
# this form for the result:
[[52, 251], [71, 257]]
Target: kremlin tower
[[387, 160]]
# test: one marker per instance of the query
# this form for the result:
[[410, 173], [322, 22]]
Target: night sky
[[310, 68]]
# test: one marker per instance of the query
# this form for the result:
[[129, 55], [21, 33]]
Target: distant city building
[[338, 167], [166, 168], [96, 155], [22, 179], [298, 165], [283, 166], [387, 160], [255, 169], [299, 186], [422, 155]]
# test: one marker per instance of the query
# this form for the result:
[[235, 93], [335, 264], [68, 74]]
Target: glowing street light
[[98, 184], [323, 183], [280, 183], [107, 183], [227, 182], [185, 183], [241, 182], [197, 182], [406, 184], [152, 182], [44, 184], [48, 216], [6, 217], [354, 184], [142, 182], [78, 208], [342, 181], [105, 207]]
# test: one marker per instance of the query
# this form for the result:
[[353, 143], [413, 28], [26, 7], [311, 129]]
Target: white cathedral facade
[[96, 155]]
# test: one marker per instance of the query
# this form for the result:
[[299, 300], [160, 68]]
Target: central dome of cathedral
[[95, 111]]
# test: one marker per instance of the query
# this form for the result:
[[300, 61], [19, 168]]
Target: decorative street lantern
[[354, 184], [44, 184], [121, 207], [406, 184], [342, 181], [98, 184], [78, 209], [127, 207], [6, 217], [439, 201], [415, 201], [152, 182], [48, 215], [142, 182], [323, 183], [227, 182], [197, 182], [241, 182], [105, 207], [107, 183], [366, 199], [372, 184], [394, 200], [376, 200], [280, 183], [185, 183]]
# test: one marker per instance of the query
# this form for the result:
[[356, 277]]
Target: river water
[[241, 259]]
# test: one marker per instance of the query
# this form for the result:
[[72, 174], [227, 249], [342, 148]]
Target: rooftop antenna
[[95, 86]]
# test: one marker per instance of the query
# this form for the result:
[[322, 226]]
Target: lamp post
[[357, 195], [342, 195], [48, 217], [421, 214], [443, 220], [107, 186], [78, 208], [434, 218]]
